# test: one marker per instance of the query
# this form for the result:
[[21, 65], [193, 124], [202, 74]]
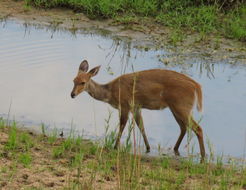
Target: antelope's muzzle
[[73, 95]]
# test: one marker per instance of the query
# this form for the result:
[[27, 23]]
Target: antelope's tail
[[199, 97]]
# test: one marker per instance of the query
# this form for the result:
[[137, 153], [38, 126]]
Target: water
[[37, 67]]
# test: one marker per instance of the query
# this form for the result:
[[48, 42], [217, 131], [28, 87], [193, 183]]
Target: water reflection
[[37, 66]]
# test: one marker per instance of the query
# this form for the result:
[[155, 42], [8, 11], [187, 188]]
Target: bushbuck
[[153, 89]]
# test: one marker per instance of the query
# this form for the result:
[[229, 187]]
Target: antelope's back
[[153, 88]]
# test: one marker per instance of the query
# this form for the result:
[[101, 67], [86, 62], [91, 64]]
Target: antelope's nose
[[72, 95]]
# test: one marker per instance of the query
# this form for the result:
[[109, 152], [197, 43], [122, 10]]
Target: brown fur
[[151, 89]]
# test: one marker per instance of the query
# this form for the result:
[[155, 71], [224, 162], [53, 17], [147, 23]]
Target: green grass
[[18, 142], [204, 16], [2, 123], [87, 165], [235, 25], [53, 137], [26, 141], [68, 145], [12, 140], [201, 18], [18, 145], [109, 136], [176, 36], [25, 159]]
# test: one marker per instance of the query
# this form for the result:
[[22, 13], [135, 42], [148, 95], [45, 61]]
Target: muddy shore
[[145, 34]]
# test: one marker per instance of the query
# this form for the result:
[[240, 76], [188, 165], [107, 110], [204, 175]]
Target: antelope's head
[[82, 78]]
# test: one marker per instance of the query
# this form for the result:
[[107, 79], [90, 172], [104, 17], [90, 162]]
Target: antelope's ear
[[94, 71], [84, 66]]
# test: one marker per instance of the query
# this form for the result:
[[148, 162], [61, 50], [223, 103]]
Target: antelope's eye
[[82, 83]]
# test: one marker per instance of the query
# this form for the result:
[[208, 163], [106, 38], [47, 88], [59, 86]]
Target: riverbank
[[207, 16], [39, 161], [144, 32]]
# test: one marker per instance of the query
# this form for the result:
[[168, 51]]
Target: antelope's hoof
[[116, 146], [202, 160], [176, 152], [147, 150]]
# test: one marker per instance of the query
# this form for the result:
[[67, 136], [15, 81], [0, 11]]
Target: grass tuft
[[12, 140], [25, 159]]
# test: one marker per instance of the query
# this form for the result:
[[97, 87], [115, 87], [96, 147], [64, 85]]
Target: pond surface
[[37, 67]]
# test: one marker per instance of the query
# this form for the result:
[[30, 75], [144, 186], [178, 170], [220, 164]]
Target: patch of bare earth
[[45, 172]]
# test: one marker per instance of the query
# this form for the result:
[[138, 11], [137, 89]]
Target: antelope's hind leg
[[184, 119], [183, 129], [199, 133]]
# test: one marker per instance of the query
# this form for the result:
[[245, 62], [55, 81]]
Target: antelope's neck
[[97, 91]]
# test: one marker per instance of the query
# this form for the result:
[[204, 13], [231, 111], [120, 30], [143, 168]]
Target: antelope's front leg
[[139, 120], [123, 120]]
